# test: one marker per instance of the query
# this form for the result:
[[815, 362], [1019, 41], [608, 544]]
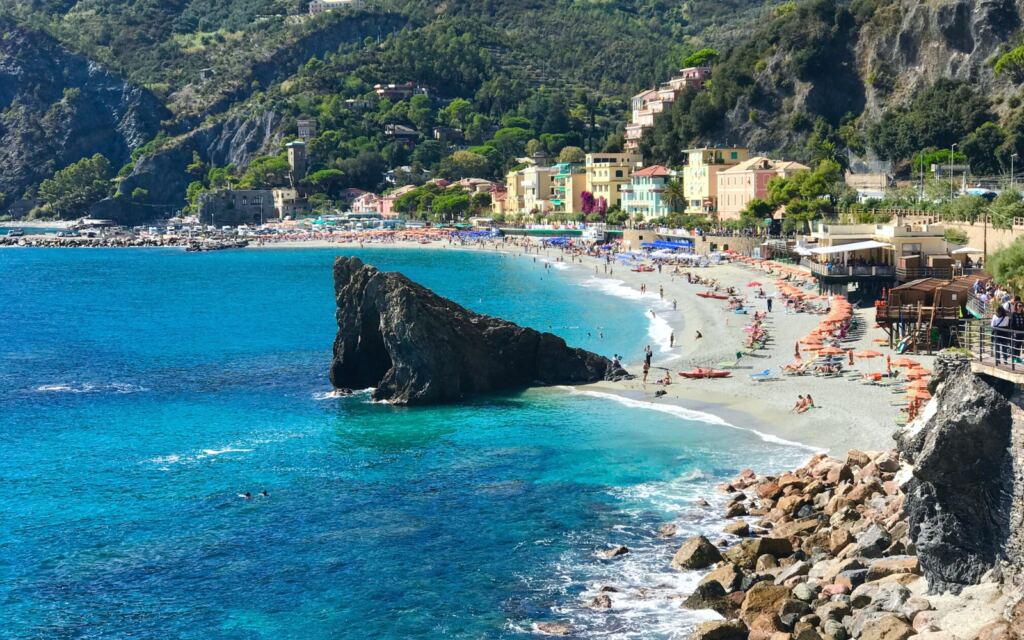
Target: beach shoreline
[[848, 414]]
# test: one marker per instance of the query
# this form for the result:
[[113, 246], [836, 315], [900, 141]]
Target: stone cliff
[[964, 483], [415, 347], [57, 107]]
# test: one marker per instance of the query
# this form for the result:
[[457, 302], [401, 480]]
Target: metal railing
[[843, 270], [1002, 348], [916, 273]]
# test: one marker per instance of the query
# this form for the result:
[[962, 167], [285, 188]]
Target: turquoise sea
[[141, 391]]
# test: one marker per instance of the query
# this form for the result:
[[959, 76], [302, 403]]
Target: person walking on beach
[[672, 340], [647, 368], [768, 303], [675, 303], [699, 335], [643, 288], [661, 292], [648, 354]]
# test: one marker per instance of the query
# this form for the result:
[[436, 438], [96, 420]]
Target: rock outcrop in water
[[964, 499], [415, 347]]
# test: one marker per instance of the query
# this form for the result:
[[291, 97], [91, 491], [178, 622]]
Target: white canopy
[[853, 246], [964, 250]]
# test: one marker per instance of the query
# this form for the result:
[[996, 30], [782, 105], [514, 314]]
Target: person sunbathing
[[800, 406]]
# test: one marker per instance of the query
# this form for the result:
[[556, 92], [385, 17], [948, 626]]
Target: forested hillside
[[220, 86]]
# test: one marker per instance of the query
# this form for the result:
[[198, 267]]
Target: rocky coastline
[[119, 242], [921, 541]]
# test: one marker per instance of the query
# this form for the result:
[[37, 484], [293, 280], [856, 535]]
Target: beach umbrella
[[754, 283], [868, 353], [830, 351], [918, 384], [920, 394], [905, 362]]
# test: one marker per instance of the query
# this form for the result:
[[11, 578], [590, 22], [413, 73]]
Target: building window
[[911, 248], [734, 155], [618, 174]]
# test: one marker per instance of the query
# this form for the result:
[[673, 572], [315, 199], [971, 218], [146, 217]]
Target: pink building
[[740, 184], [366, 203], [648, 104], [387, 201]]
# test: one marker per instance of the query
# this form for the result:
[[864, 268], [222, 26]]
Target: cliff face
[[415, 347], [909, 45], [163, 173], [965, 492], [57, 107]]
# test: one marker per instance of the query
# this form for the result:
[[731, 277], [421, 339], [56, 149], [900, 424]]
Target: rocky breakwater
[[826, 553], [415, 347]]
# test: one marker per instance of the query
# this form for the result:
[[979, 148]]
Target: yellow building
[[513, 202], [538, 189], [700, 176], [570, 183], [609, 173]]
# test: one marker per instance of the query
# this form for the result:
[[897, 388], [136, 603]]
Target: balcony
[[823, 270]]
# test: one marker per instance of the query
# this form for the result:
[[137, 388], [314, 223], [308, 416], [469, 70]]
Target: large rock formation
[[415, 347], [964, 491]]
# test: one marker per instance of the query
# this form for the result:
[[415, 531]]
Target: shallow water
[[142, 390]]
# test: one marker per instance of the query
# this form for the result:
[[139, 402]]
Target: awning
[[853, 246], [965, 250]]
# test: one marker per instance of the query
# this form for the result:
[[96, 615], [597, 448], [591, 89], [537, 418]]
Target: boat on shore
[[712, 295], [700, 372]]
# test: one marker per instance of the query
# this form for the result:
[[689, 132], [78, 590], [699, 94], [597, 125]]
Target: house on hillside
[[740, 184], [395, 92], [401, 133], [317, 7], [647, 105], [609, 173]]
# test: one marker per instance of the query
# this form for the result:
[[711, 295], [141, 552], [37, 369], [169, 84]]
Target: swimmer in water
[[264, 493], [245, 496]]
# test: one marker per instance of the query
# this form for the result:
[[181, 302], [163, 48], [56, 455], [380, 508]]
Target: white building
[[321, 6]]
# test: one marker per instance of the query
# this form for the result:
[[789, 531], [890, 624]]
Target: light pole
[[1013, 182], [951, 148]]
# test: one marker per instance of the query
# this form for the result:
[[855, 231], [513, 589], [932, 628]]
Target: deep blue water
[[142, 390]]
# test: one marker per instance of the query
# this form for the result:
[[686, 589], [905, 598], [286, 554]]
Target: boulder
[[887, 627], [554, 628], [873, 542], [614, 552], [879, 569], [696, 553], [957, 500], [763, 597], [728, 576], [891, 598], [740, 528], [710, 595], [415, 347], [601, 601], [720, 630], [668, 530], [764, 626]]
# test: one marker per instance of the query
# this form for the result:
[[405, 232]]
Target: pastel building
[[570, 182], [700, 176], [740, 184], [387, 201], [644, 198], [609, 173], [647, 105], [538, 189]]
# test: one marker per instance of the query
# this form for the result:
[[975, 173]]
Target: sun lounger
[[762, 376]]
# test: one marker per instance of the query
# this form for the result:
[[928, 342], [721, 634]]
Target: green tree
[[700, 58], [574, 155], [1007, 265], [982, 148], [72, 190], [465, 164], [266, 172], [1009, 204], [451, 206], [675, 195], [955, 236], [963, 209], [327, 181]]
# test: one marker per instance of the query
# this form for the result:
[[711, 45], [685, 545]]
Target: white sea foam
[[209, 453], [89, 387], [339, 393], [690, 414], [658, 328]]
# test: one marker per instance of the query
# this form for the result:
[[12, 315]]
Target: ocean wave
[[89, 387], [693, 415], [658, 328], [210, 453], [336, 394]]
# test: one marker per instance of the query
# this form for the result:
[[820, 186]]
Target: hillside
[[215, 86]]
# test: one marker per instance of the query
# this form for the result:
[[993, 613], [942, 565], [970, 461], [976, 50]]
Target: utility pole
[[951, 148], [1013, 181]]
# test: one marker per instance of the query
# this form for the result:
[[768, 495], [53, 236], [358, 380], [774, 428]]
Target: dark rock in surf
[[415, 347]]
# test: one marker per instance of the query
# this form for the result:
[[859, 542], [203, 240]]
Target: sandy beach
[[848, 415]]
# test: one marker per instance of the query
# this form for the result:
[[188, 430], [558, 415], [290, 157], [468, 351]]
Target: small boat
[[712, 295], [642, 269], [705, 373]]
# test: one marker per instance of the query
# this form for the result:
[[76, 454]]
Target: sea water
[[142, 391]]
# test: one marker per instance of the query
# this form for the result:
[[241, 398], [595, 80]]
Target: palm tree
[[675, 195]]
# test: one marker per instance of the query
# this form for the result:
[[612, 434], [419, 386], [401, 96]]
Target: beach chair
[[763, 376], [727, 364]]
